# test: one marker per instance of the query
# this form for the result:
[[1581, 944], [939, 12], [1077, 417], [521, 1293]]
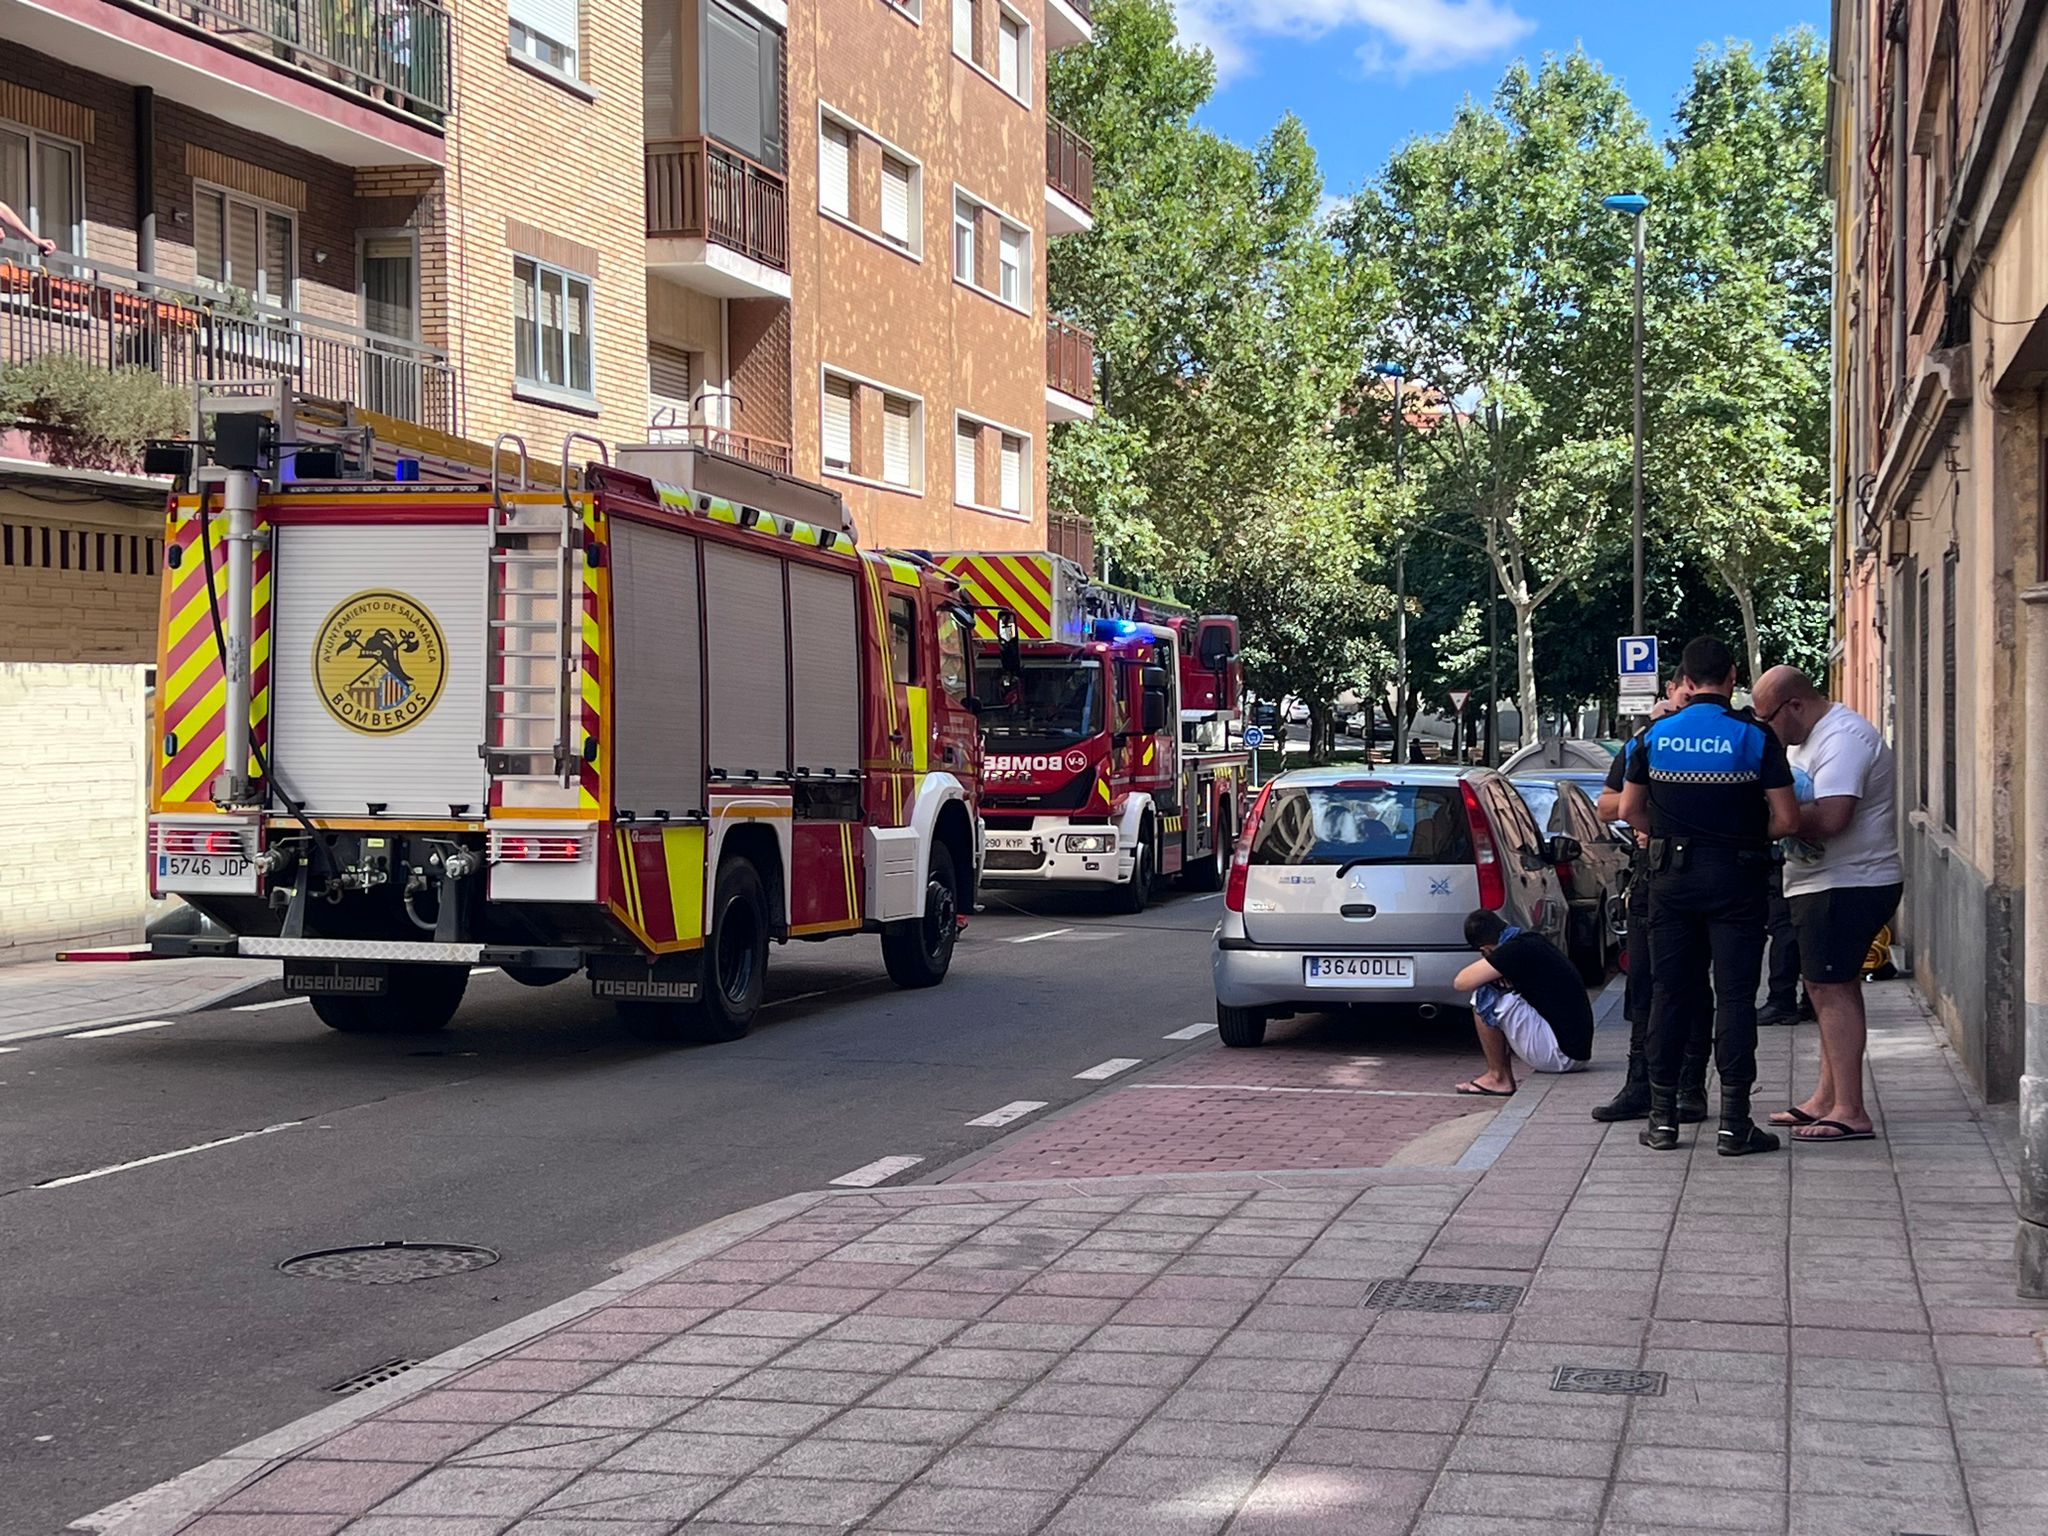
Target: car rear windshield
[[1366, 821], [1540, 795]]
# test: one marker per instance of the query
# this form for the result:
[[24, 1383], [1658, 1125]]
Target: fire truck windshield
[[1051, 701]]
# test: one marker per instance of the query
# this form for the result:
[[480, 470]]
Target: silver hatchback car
[[1352, 885]]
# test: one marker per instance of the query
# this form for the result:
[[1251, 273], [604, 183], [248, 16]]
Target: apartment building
[[847, 224], [1941, 486], [257, 190]]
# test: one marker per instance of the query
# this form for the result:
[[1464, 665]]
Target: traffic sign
[[1458, 698], [1636, 656], [1254, 737]]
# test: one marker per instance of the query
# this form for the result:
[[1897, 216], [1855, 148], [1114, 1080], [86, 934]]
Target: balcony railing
[[1069, 164], [1086, 8], [699, 188], [763, 452], [112, 318], [391, 51], [1070, 359]]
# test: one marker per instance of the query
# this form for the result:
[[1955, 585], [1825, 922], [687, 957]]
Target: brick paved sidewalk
[[46, 996], [1836, 1326]]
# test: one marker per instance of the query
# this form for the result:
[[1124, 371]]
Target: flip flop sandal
[[1474, 1091], [1792, 1114], [1841, 1133]]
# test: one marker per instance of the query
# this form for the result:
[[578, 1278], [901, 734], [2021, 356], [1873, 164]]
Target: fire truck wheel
[[1135, 894], [736, 957], [919, 952], [1240, 1026], [418, 1000], [1210, 873]]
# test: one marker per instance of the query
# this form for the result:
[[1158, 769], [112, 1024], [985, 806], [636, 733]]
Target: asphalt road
[[145, 1326]]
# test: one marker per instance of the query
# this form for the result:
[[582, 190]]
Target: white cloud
[[1403, 37]]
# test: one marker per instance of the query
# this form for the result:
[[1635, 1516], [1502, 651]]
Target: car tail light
[[1241, 858], [1493, 885]]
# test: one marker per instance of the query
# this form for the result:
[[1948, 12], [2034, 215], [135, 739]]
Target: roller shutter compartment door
[[657, 672], [748, 675], [824, 632]]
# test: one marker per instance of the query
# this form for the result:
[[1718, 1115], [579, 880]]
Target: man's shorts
[[1836, 928], [1529, 1033]]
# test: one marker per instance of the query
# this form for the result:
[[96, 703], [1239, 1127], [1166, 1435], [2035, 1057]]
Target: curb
[[253, 990]]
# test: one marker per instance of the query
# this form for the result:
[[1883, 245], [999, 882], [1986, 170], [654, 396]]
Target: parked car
[[1595, 882], [1575, 752], [1352, 887]]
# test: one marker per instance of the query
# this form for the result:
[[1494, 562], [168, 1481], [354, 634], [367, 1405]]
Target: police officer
[[1715, 789], [1633, 1101]]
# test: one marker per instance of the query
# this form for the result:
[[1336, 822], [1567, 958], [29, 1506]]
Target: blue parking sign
[[1636, 655]]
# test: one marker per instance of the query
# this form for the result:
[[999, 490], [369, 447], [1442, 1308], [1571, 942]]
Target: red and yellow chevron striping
[[1020, 583], [191, 679]]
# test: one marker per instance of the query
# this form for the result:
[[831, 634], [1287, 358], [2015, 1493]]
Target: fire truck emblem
[[380, 663]]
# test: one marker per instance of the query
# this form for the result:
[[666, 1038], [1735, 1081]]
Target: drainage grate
[[1595, 1378], [376, 1375], [1442, 1296], [389, 1263]]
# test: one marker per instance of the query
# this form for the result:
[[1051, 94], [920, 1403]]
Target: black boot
[[1692, 1091], [1661, 1134], [1633, 1101], [1740, 1136]]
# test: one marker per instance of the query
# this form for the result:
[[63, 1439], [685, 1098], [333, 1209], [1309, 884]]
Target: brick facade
[[865, 307]]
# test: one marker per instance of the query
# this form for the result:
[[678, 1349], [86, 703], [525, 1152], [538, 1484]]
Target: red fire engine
[[1106, 729], [640, 724]]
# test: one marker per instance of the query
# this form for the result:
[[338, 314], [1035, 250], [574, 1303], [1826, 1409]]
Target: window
[[963, 29], [1363, 823], [963, 240], [551, 340], [245, 244], [1010, 55], [1922, 665], [670, 384], [956, 672], [743, 83], [549, 32], [1008, 489], [902, 640], [1013, 473], [835, 169], [896, 183], [846, 403], [1010, 65], [43, 179], [1011, 285], [966, 450], [1950, 707]]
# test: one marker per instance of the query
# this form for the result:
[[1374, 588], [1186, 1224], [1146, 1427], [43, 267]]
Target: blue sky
[[1366, 74]]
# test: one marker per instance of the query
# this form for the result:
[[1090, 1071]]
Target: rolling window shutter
[[897, 420], [771, 98], [966, 445], [559, 21], [207, 219], [1013, 473], [1010, 57], [658, 72], [963, 28], [1013, 265], [732, 54], [668, 384], [835, 163], [896, 201], [838, 424]]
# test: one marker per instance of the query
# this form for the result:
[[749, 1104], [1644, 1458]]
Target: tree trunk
[[1752, 642], [1525, 668]]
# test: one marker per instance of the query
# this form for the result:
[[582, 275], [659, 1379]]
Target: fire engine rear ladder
[[532, 621]]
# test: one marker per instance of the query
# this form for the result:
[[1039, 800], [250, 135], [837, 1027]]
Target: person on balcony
[[14, 227]]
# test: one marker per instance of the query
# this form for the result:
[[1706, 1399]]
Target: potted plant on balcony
[[84, 417]]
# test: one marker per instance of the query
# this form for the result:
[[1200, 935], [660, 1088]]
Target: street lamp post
[[1636, 206], [1399, 375]]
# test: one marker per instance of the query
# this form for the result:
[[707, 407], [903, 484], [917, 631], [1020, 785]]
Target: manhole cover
[[1442, 1296], [1593, 1378], [389, 1263], [376, 1375]]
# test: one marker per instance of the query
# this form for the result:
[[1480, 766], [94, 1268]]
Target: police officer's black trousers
[[1637, 994], [1707, 916], [1784, 988]]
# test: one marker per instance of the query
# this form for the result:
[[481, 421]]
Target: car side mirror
[[1155, 710]]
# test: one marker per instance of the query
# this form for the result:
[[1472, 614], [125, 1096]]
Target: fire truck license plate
[[1359, 970], [1011, 842], [220, 871]]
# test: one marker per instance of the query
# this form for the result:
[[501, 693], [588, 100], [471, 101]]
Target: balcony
[[761, 452], [1069, 372], [359, 82], [1069, 180], [716, 220], [1069, 23], [111, 318]]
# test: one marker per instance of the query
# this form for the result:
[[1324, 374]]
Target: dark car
[[1595, 881]]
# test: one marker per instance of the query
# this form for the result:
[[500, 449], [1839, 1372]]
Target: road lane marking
[[276, 1002], [1110, 1068], [163, 1157], [120, 1029], [8, 1050], [870, 1174], [1015, 1110], [1033, 938], [1192, 1032], [1212, 896]]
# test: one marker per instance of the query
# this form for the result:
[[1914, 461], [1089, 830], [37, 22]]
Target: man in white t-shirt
[[1844, 894]]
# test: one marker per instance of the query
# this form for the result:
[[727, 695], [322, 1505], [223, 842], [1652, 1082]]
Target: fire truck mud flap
[[630, 979]]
